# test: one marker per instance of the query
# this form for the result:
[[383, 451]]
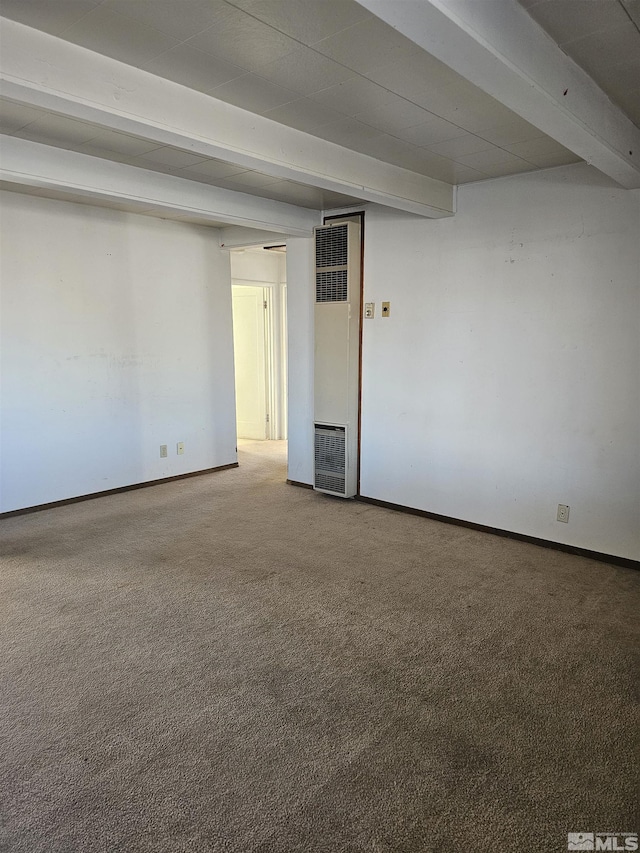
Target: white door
[[249, 345]]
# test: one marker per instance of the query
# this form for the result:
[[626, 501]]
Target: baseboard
[[117, 491], [301, 485], [508, 534]]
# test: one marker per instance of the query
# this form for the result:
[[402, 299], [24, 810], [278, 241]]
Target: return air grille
[[331, 246], [332, 286], [329, 482], [330, 459]]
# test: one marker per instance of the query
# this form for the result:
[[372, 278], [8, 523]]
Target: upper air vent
[[332, 280], [331, 246]]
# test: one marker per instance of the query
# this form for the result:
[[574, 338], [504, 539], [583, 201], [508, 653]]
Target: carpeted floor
[[228, 663]]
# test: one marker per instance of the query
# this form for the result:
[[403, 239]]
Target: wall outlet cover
[[180, 448], [163, 451], [563, 513], [386, 309]]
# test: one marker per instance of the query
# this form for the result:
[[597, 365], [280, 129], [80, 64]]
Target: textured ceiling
[[603, 37], [37, 125], [326, 67]]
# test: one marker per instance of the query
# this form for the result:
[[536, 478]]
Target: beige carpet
[[228, 663]]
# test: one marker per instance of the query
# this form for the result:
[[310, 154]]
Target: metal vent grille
[[332, 286], [332, 280], [329, 482], [330, 459], [331, 246]]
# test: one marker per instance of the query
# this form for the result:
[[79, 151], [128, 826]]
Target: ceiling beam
[[236, 237], [30, 164], [41, 70], [498, 47]]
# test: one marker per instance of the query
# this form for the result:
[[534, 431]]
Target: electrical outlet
[[180, 448], [163, 451], [386, 309], [563, 513], [369, 310]]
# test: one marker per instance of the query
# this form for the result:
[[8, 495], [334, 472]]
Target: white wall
[[116, 338], [506, 380], [256, 265]]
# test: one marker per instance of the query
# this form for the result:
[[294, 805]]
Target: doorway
[[258, 279], [250, 336]]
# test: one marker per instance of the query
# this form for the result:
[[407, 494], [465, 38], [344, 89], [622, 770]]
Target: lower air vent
[[329, 482], [330, 459]]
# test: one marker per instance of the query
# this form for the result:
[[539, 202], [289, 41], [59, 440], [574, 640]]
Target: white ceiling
[[38, 125], [603, 37], [328, 68], [113, 204]]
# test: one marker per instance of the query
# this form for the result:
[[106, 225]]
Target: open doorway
[[250, 337], [258, 278]]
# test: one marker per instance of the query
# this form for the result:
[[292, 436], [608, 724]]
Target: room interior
[[256, 119], [512, 346], [150, 151]]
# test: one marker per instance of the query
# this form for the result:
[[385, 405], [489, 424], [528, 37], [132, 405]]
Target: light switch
[[386, 309]]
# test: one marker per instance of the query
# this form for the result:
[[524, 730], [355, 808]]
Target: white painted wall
[[300, 302], [116, 338], [506, 380], [255, 265]]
